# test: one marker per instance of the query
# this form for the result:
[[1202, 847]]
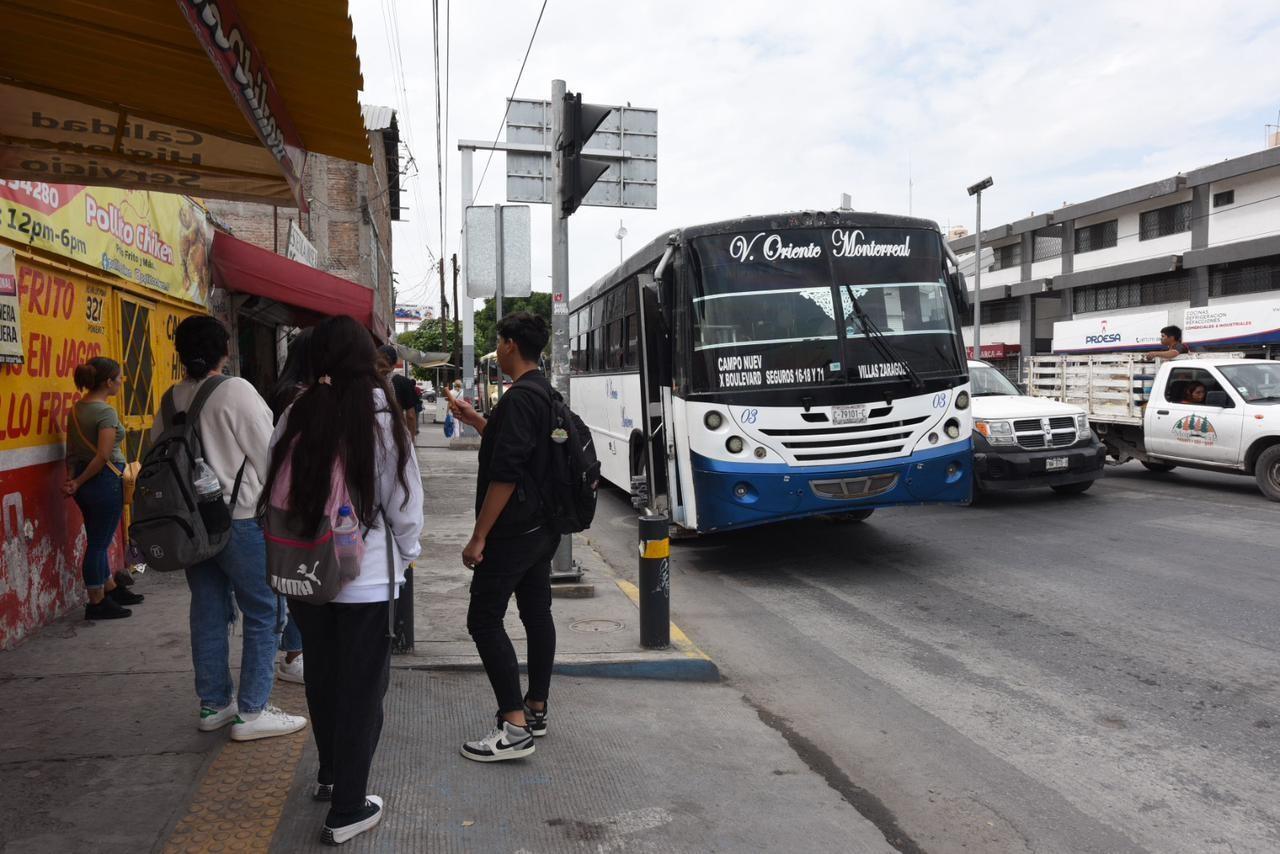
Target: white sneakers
[[265, 724], [504, 741], [214, 719], [367, 819], [290, 671]]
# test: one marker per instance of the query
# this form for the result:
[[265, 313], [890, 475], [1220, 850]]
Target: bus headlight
[[735, 445], [962, 400], [997, 432], [714, 420], [952, 428]]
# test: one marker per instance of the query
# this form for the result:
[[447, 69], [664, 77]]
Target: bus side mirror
[[961, 288]]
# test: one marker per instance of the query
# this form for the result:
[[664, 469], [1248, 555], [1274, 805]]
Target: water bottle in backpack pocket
[[213, 510]]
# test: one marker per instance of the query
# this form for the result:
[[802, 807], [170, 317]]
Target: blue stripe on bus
[[776, 491]]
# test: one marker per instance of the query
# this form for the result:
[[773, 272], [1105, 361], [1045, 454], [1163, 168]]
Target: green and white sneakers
[[214, 719], [265, 724]]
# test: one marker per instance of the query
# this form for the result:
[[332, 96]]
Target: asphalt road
[[1093, 673]]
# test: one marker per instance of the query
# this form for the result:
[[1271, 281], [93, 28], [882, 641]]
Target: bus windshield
[[799, 309]]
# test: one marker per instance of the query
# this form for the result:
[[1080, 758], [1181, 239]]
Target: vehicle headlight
[[962, 400], [997, 432], [1082, 425], [952, 428], [713, 420], [735, 445]]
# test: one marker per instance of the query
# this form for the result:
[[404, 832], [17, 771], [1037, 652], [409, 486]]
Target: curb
[[681, 669], [693, 659]]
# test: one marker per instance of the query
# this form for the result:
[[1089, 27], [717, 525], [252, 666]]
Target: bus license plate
[[849, 415], [1055, 463]]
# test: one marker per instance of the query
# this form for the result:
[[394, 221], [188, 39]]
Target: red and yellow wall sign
[[67, 317], [160, 241]]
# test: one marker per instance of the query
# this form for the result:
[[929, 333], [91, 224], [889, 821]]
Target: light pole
[[976, 191], [622, 232]]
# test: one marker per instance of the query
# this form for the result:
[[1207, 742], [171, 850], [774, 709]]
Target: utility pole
[[562, 565], [457, 327], [500, 273], [444, 311]]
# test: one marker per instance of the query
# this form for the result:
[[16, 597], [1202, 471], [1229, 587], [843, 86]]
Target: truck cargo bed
[[1113, 388]]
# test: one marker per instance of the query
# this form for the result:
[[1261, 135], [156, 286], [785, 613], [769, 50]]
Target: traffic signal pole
[[562, 565]]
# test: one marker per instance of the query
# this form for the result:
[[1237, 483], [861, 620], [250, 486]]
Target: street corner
[[681, 661]]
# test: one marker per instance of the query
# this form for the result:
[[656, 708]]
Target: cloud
[[767, 107]]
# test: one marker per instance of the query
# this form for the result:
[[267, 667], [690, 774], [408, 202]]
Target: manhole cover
[[595, 626]]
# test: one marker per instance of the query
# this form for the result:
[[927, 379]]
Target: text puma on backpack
[[569, 489], [167, 526]]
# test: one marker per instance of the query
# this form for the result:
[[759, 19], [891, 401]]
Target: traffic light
[[580, 173]]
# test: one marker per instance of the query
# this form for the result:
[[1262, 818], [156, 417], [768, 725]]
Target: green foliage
[[487, 324], [426, 339]]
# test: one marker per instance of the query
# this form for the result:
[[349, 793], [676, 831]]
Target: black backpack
[[572, 476]]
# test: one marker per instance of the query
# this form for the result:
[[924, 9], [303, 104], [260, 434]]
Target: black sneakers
[[323, 792], [107, 609], [340, 828], [123, 596], [537, 721]]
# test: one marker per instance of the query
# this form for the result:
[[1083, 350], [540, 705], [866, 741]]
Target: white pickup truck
[[1021, 441], [1220, 413]]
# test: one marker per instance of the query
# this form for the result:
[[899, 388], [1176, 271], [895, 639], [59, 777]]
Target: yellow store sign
[[157, 240]]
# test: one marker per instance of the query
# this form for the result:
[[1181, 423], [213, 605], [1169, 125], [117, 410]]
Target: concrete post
[[562, 565], [655, 581]]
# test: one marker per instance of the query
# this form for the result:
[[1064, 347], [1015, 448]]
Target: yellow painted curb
[[678, 638]]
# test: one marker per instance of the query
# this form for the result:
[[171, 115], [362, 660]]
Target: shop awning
[[144, 94], [243, 268]]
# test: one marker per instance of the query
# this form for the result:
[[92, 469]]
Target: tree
[[426, 339], [487, 325]]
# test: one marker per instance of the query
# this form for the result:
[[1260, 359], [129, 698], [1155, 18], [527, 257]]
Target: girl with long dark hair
[[95, 480], [349, 417]]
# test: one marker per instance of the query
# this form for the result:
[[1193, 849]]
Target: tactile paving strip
[[241, 799]]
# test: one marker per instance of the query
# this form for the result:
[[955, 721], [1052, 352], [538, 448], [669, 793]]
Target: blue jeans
[[101, 503], [239, 570], [291, 640]]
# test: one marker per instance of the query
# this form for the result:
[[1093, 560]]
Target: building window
[[1153, 290], [1250, 277], [1165, 221], [1006, 257], [1047, 243], [1226, 197], [995, 311], [1100, 235]]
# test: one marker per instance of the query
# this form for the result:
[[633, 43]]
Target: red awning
[[243, 268]]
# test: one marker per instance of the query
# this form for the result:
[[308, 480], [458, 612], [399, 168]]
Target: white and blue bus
[[780, 367]]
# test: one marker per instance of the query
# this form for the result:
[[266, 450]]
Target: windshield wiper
[[880, 342]]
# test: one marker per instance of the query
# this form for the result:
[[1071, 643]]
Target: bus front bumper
[[738, 495]]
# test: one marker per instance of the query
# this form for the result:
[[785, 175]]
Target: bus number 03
[[749, 416]]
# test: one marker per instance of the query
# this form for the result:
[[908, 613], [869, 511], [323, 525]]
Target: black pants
[[348, 665], [520, 565]]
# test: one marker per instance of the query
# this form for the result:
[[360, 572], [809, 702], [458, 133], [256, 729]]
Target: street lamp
[[976, 191], [622, 232]]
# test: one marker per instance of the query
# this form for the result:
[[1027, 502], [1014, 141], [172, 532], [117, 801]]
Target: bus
[[775, 367]]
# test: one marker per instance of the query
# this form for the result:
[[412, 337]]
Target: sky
[[766, 107]]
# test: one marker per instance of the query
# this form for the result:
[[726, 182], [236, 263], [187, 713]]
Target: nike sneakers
[[537, 721], [504, 741]]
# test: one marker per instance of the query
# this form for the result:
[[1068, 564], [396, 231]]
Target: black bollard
[[403, 640], [655, 582]]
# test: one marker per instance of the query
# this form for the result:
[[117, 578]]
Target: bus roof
[[653, 250]]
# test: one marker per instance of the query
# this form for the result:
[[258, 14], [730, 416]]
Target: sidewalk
[[100, 751]]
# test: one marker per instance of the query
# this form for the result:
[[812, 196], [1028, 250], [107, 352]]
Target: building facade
[[1204, 238], [346, 232]]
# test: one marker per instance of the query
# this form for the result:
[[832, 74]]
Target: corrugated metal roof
[[375, 117]]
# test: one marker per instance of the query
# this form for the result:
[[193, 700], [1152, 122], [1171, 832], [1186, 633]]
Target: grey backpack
[[167, 525]]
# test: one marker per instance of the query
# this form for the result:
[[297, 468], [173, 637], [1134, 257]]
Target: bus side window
[[596, 350], [631, 331], [616, 344]]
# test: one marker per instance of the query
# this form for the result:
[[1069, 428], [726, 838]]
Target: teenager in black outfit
[[510, 549]]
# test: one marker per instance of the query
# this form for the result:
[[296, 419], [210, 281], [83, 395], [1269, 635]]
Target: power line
[[435, 50], [520, 74]]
